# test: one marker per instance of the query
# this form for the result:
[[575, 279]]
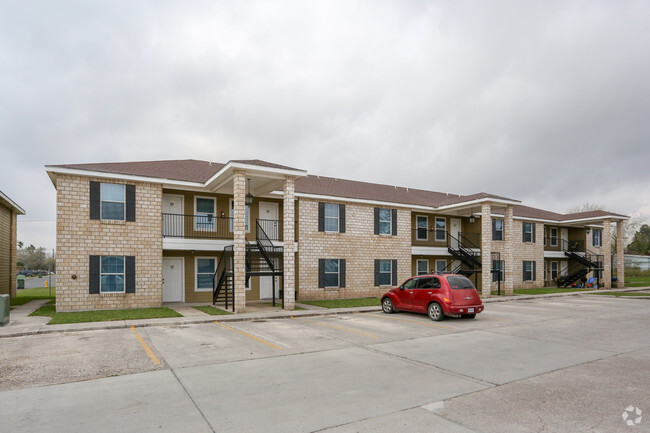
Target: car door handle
[[430, 293], [411, 293]]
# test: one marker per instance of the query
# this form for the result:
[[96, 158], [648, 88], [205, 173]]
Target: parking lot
[[569, 364]]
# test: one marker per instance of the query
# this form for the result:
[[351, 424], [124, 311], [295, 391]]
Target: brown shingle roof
[[590, 214], [264, 164]]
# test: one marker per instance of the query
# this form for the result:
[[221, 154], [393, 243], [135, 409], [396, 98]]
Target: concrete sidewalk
[[22, 324]]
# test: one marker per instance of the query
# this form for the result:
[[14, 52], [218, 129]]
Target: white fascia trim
[[478, 201], [200, 244], [256, 168], [12, 203], [134, 178], [520, 218], [429, 251], [555, 255], [357, 200], [600, 218]]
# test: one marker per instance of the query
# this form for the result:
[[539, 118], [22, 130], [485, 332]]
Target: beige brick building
[[137, 234]]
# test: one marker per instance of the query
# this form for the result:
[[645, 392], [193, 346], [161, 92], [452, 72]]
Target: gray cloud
[[546, 102]]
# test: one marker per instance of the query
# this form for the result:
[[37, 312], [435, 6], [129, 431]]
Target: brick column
[[239, 233], [486, 249], [509, 257], [288, 239], [607, 254], [620, 254]]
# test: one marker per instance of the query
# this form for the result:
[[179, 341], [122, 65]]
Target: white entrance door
[[266, 288], [268, 220], [454, 229], [173, 280], [564, 236], [173, 221]]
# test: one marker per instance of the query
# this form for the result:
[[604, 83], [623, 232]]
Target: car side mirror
[[401, 287]]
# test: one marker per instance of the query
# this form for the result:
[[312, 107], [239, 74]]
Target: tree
[[586, 207], [630, 228], [641, 242], [20, 245], [33, 258]]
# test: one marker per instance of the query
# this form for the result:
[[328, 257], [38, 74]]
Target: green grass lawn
[[209, 309], [103, 315], [618, 294], [25, 295], [344, 303], [637, 281], [546, 290]]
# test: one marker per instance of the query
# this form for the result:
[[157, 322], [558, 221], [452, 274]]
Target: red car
[[436, 295]]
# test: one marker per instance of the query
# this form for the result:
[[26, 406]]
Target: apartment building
[[9, 212], [137, 234]]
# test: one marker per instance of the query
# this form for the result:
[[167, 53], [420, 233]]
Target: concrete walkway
[[22, 324]]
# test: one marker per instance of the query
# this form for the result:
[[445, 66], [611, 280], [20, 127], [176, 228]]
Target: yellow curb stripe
[[413, 321], [248, 335], [336, 327], [145, 346]]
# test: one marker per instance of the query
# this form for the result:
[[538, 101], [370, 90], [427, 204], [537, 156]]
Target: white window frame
[[196, 272], [390, 272], [338, 274], [557, 270], [554, 239], [337, 218], [600, 237], [526, 232], [417, 266], [389, 221], [205, 214], [444, 230], [123, 274], [497, 231], [444, 262], [247, 211], [528, 271], [101, 200], [417, 228]]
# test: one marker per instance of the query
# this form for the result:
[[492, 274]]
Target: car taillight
[[447, 300]]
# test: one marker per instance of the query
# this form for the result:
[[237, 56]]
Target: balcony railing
[[211, 227]]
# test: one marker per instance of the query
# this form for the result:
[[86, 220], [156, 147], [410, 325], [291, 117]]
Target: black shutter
[[376, 222], [534, 271], [593, 237], [129, 274], [523, 271], [376, 272], [394, 221], [342, 273], [321, 273], [494, 230], [393, 268], [93, 274], [534, 230], [321, 217], [130, 202], [523, 232], [341, 218], [95, 201]]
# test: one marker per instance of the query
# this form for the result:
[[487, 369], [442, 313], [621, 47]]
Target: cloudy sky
[[546, 102]]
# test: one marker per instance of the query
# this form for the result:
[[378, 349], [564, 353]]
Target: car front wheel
[[387, 306], [435, 312]]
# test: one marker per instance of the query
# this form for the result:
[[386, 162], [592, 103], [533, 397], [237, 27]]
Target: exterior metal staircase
[[467, 252], [581, 262]]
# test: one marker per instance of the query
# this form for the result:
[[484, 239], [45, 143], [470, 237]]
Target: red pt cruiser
[[436, 295]]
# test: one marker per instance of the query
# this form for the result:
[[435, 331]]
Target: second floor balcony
[[208, 226]]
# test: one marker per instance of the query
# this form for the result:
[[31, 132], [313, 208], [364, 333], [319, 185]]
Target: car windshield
[[459, 283]]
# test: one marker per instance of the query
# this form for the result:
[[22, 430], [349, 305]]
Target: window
[[331, 273], [553, 237], [113, 202], [529, 271], [205, 209], [383, 274], [385, 222], [205, 267], [459, 283], [428, 283], [422, 267], [422, 223], [441, 229], [598, 272], [410, 284], [499, 266], [497, 230], [597, 238], [441, 265], [331, 217], [112, 274], [529, 232], [554, 270], [247, 217]]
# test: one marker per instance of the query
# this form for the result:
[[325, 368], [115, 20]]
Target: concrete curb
[[263, 316]]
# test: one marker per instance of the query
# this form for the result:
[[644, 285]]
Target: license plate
[[470, 310]]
